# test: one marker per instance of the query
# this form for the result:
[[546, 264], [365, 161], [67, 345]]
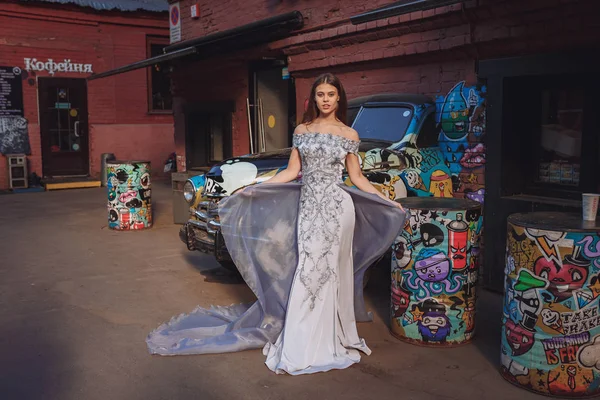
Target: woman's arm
[[294, 164], [291, 172], [358, 179]]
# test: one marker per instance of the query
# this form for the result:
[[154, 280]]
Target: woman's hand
[[397, 204], [384, 197], [243, 191]]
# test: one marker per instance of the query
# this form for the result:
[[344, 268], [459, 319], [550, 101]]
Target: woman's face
[[326, 97]]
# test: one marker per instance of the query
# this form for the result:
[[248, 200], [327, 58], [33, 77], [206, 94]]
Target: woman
[[303, 250]]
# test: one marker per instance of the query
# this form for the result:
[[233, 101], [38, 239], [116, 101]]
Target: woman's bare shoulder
[[300, 129], [350, 133]]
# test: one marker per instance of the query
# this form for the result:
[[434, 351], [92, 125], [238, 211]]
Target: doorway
[[64, 126], [208, 128], [271, 106]]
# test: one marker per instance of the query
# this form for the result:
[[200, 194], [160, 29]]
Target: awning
[[244, 36], [400, 8]]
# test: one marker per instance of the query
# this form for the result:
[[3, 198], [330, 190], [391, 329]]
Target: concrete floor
[[77, 301]]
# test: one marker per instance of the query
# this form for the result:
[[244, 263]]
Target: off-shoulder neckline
[[327, 134]]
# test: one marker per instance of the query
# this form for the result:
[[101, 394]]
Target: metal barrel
[[129, 195], [551, 321], [104, 158], [435, 266]]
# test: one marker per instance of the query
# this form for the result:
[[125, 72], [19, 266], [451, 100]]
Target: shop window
[[159, 81], [559, 144], [549, 144]]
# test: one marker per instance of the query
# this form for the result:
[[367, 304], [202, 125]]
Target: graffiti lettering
[[564, 349], [580, 321], [429, 161]]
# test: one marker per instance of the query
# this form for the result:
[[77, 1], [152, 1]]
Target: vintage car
[[399, 154]]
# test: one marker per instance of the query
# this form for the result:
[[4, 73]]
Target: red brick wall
[[118, 111], [423, 52]]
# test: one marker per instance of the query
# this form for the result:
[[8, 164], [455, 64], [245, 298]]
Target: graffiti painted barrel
[[551, 320], [435, 265], [129, 195]]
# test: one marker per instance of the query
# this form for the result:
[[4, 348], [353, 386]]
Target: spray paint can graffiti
[[124, 218], [458, 231]]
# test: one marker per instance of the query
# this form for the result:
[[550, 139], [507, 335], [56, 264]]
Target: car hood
[[229, 175]]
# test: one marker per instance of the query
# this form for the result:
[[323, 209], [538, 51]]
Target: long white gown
[[303, 249], [320, 329]]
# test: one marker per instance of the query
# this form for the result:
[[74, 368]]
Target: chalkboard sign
[[11, 92], [14, 136]]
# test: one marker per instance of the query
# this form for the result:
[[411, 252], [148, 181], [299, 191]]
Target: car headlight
[[189, 192]]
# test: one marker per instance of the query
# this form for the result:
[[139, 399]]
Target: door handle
[[76, 128]]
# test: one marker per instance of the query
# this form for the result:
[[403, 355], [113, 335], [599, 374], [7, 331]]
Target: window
[[559, 145], [352, 111], [549, 143], [159, 81], [429, 134], [383, 123]]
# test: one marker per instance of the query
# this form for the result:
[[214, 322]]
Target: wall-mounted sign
[[195, 11], [32, 64], [11, 92], [175, 22]]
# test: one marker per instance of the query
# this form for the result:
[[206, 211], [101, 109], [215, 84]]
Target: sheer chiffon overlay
[[303, 249]]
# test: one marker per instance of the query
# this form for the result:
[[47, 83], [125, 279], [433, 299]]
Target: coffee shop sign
[[32, 64]]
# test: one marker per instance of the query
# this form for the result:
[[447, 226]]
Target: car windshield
[[383, 123]]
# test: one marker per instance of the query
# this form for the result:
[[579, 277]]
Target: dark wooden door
[[208, 133], [64, 126]]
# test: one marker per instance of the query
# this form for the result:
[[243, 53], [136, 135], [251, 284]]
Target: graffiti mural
[[551, 318], [435, 264], [461, 118], [129, 195]]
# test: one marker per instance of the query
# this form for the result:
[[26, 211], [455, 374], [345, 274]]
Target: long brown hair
[[312, 112]]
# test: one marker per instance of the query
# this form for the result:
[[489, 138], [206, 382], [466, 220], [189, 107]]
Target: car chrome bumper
[[203, 233]]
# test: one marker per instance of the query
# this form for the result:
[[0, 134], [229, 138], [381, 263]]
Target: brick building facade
[[99, 37], [449, 53], [513, 81]]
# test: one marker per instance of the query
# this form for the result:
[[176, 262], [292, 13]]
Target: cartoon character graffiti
[[402, 251], [458, 231], [415, 180], [519, 339], [441, 184], [565, 278], [530, 303], [469, 319], [461, 117], [551, 311], [434, 325], [400, 300], [455, 113], [431, 275]]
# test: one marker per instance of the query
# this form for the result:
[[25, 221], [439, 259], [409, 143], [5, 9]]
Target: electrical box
[[17, 171]]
